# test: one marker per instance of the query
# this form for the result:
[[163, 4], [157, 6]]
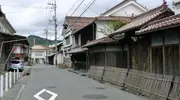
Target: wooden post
[[87, 61], [122, 48], [179, 53], [164, 62], [128, 56], [93, 32], [105, 63], [150, 58]]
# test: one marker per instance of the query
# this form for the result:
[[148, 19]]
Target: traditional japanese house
[[131, 51], [91, 32], [164, 45]]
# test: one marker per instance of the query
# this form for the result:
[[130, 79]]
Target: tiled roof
[[143, 19], [164, 23], [105, 40], [107, 18], [77, 50], [78, 22], [120, 18]]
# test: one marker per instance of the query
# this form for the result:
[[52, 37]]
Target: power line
[[91, 3], [73, 11], [77, 7], [88, 7], [72, 7], [92, 9], [70, 10]]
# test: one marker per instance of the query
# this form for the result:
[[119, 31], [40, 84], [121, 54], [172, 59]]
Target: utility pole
[[55, 28], [46, 33]]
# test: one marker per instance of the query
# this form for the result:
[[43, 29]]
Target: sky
[[31, 17]]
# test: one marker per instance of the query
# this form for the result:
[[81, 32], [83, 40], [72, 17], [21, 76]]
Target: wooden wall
[[112, 55], [140, 54]]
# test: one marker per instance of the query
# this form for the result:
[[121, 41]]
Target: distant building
[[51, 56], [71, 25], [21, 52], [38, 54]]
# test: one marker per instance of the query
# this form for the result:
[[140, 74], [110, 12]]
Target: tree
[[111, 27]]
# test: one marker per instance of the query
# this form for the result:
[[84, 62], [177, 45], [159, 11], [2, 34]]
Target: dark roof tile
[[142, 19], [161, 24], [104, 40], [78, 22]]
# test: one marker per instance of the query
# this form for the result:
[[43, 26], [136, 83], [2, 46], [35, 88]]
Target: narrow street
[[69, 86]]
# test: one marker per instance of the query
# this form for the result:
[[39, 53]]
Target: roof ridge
[[161, 7], [166, 18], [78, 17]]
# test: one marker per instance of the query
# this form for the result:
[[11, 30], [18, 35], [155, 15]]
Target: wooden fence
[[154, 86], [115, 75], [175, 92], [96, 72]]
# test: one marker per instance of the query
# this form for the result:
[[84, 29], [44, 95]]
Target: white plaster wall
[[18, 49], [59, 58], [71, 40], [100, 25], [34, 56], [128, 11]]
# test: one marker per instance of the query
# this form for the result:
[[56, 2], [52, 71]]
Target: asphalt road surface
[[60, 84]]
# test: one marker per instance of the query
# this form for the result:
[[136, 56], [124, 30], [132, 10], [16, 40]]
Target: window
[[67, 39], [38, 53]]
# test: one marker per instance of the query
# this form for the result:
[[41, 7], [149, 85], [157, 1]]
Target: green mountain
[[39, 40]]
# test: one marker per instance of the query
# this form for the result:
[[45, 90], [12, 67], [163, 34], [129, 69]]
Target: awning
[[77, 50], [15, 38], [104, 40]]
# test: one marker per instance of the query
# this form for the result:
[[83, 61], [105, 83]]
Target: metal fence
[[154, 86]]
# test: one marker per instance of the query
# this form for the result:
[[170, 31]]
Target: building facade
[[38, 54]]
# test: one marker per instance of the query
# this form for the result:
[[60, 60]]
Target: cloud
[[28, 16]]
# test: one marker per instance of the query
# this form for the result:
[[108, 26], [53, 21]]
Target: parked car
[[16, 64]]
